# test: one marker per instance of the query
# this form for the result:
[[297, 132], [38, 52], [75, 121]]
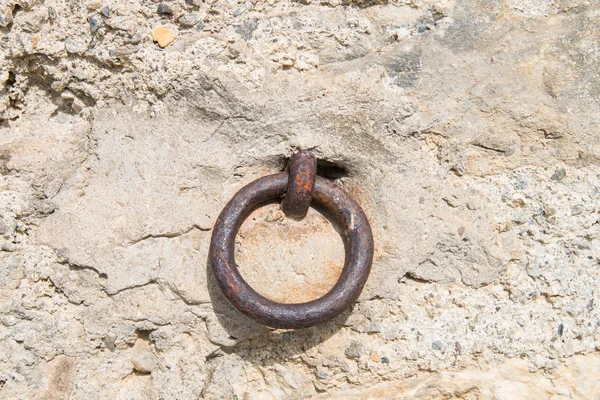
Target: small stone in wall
[[94, 5], [286, 61], [137, 38], [164, 9], [375, 357], [374, 328], [94, 24], [560, 329], [143, 361], [7, 246], [163, 36], [71, 46], [109, 341], [6, 19], [51, 14], [354, 350], [437, 345], [559, 175], [478, 347], [189, 19]]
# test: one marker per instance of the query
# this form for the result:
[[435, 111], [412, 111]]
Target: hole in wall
[[12, 79], [331, 170], [326, 169], [144, 334]]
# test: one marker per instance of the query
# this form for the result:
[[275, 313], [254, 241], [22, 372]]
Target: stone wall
[[467, 130]]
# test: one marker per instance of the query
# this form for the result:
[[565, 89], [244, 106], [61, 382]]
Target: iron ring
[[358, 243]]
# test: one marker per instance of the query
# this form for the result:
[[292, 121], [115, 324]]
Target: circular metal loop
[[358, 244], [303, 171]]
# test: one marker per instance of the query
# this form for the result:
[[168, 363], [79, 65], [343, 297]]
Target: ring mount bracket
[[301, 182]]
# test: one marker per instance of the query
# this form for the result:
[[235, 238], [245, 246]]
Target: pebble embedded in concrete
[[163, 36], [189, 19], [559, 175], [354, 350], [94, 24], [164, 8], [143, 361]]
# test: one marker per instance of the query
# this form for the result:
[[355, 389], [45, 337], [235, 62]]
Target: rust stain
[[313, 289], [258, 235]]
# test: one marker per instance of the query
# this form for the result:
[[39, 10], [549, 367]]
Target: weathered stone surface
[[509, 380], [467, 130]]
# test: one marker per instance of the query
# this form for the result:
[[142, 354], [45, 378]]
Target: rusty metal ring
[[358, 244]]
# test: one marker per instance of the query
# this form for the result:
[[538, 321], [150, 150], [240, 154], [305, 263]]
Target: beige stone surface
[[509, 380], [467, 130]]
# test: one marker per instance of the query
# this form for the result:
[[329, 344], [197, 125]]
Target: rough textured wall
[[468, 131]]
